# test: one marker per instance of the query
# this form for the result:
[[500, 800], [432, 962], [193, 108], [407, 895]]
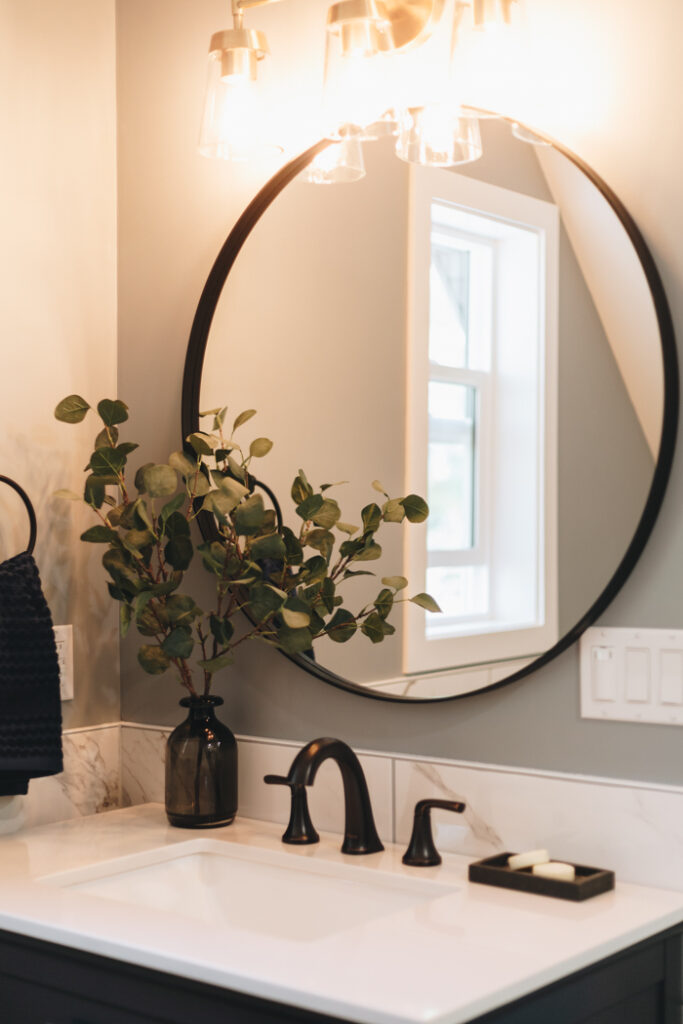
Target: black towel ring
[[29, 508]]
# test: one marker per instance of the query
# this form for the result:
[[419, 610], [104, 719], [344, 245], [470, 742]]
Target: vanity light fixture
[[235, 123], [390, 68]]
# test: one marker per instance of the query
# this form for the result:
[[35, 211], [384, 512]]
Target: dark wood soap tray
[[495, 871]]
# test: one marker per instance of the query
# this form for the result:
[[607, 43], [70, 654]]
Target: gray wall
[[166, 193]]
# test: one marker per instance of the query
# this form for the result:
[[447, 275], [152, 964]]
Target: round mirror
[[494, 337]]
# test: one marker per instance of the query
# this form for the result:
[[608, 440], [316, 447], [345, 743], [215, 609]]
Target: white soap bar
[[555, 869], [528, 859]]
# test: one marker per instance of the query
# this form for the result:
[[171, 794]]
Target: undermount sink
[[282, 895]]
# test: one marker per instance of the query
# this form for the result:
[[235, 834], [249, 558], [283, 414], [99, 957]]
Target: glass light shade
[[423, 75], [236, 124], [493, 15], [527, 135], [357, 90], [438, 136], [340, 163], [386, 125]]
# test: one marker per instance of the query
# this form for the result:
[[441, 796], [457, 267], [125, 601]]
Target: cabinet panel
[[24, 1003], [42, 983]]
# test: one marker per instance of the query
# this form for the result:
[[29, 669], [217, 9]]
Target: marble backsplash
[[634, 828]]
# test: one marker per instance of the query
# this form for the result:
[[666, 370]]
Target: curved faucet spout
[[360, 834]]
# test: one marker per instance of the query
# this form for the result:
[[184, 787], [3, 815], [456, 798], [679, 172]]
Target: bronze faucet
[[360, 834]]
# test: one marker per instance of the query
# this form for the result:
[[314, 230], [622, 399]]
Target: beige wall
[[175, 211], [58, 299]]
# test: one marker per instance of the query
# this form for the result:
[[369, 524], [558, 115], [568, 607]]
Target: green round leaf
[[271, 546], [384, 602], [242, 418], [294, 641], [72, 409], [212, 665], [393, 511], [347, 528], [341, 626], [160, 481], [416, 508], [294, 619], [372, 517], [395, 582], [259, 447], [368, 553], [112, 412], [178, 643], [182, 463], [153, 659], [327, 515], [426, 601], [301, 489], [107, 438], [181, 609], [203, 443], [99, 535], [178, 552]]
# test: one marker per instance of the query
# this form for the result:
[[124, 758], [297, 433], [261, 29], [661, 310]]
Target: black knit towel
[[30, 708]]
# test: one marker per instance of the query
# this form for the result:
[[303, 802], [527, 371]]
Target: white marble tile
[[143, 752], [635, 830], [325, 799], [89, 784]]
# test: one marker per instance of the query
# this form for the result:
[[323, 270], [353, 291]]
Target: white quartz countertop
[[470, 950]]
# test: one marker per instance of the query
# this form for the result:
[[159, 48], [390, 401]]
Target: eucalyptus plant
[[290, 584]]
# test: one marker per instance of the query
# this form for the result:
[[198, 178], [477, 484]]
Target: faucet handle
[[300, 830], [421, 852]]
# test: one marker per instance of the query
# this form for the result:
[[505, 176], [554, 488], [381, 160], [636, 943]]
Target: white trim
[[92, 728]]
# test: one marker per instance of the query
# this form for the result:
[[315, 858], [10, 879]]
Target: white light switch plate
[[64, 639], [632, 675]]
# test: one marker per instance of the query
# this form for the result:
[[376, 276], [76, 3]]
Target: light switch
[[637, 675], [604, 673], [671, 677], [632, 675]]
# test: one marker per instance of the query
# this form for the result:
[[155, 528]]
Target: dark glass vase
[[201, 768]]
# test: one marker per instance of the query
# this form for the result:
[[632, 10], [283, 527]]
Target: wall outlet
[[64, 639]]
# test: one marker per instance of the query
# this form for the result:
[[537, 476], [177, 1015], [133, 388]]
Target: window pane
[[450, 467], [461, 591], [449, 289]]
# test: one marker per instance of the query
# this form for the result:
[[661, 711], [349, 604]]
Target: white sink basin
[[283, 895]]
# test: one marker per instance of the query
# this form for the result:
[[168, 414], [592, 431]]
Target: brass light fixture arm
[[412, 21]]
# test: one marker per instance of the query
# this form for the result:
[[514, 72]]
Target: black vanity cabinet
[[42, 983]]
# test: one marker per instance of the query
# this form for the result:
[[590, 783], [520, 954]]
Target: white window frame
[[479, 642]]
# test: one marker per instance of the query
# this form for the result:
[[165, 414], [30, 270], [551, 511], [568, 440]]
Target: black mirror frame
[[192, 384]]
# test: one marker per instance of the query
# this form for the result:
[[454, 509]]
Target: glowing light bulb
[[438, 136], [236, 123], [340, 163]]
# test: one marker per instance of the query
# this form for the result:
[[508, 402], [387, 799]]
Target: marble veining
[[142, 765], [483, 838]]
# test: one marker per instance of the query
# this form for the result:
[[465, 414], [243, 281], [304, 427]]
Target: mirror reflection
[[482, 335]]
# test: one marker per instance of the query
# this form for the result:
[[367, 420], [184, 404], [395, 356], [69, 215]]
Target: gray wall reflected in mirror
[[313, 330]]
